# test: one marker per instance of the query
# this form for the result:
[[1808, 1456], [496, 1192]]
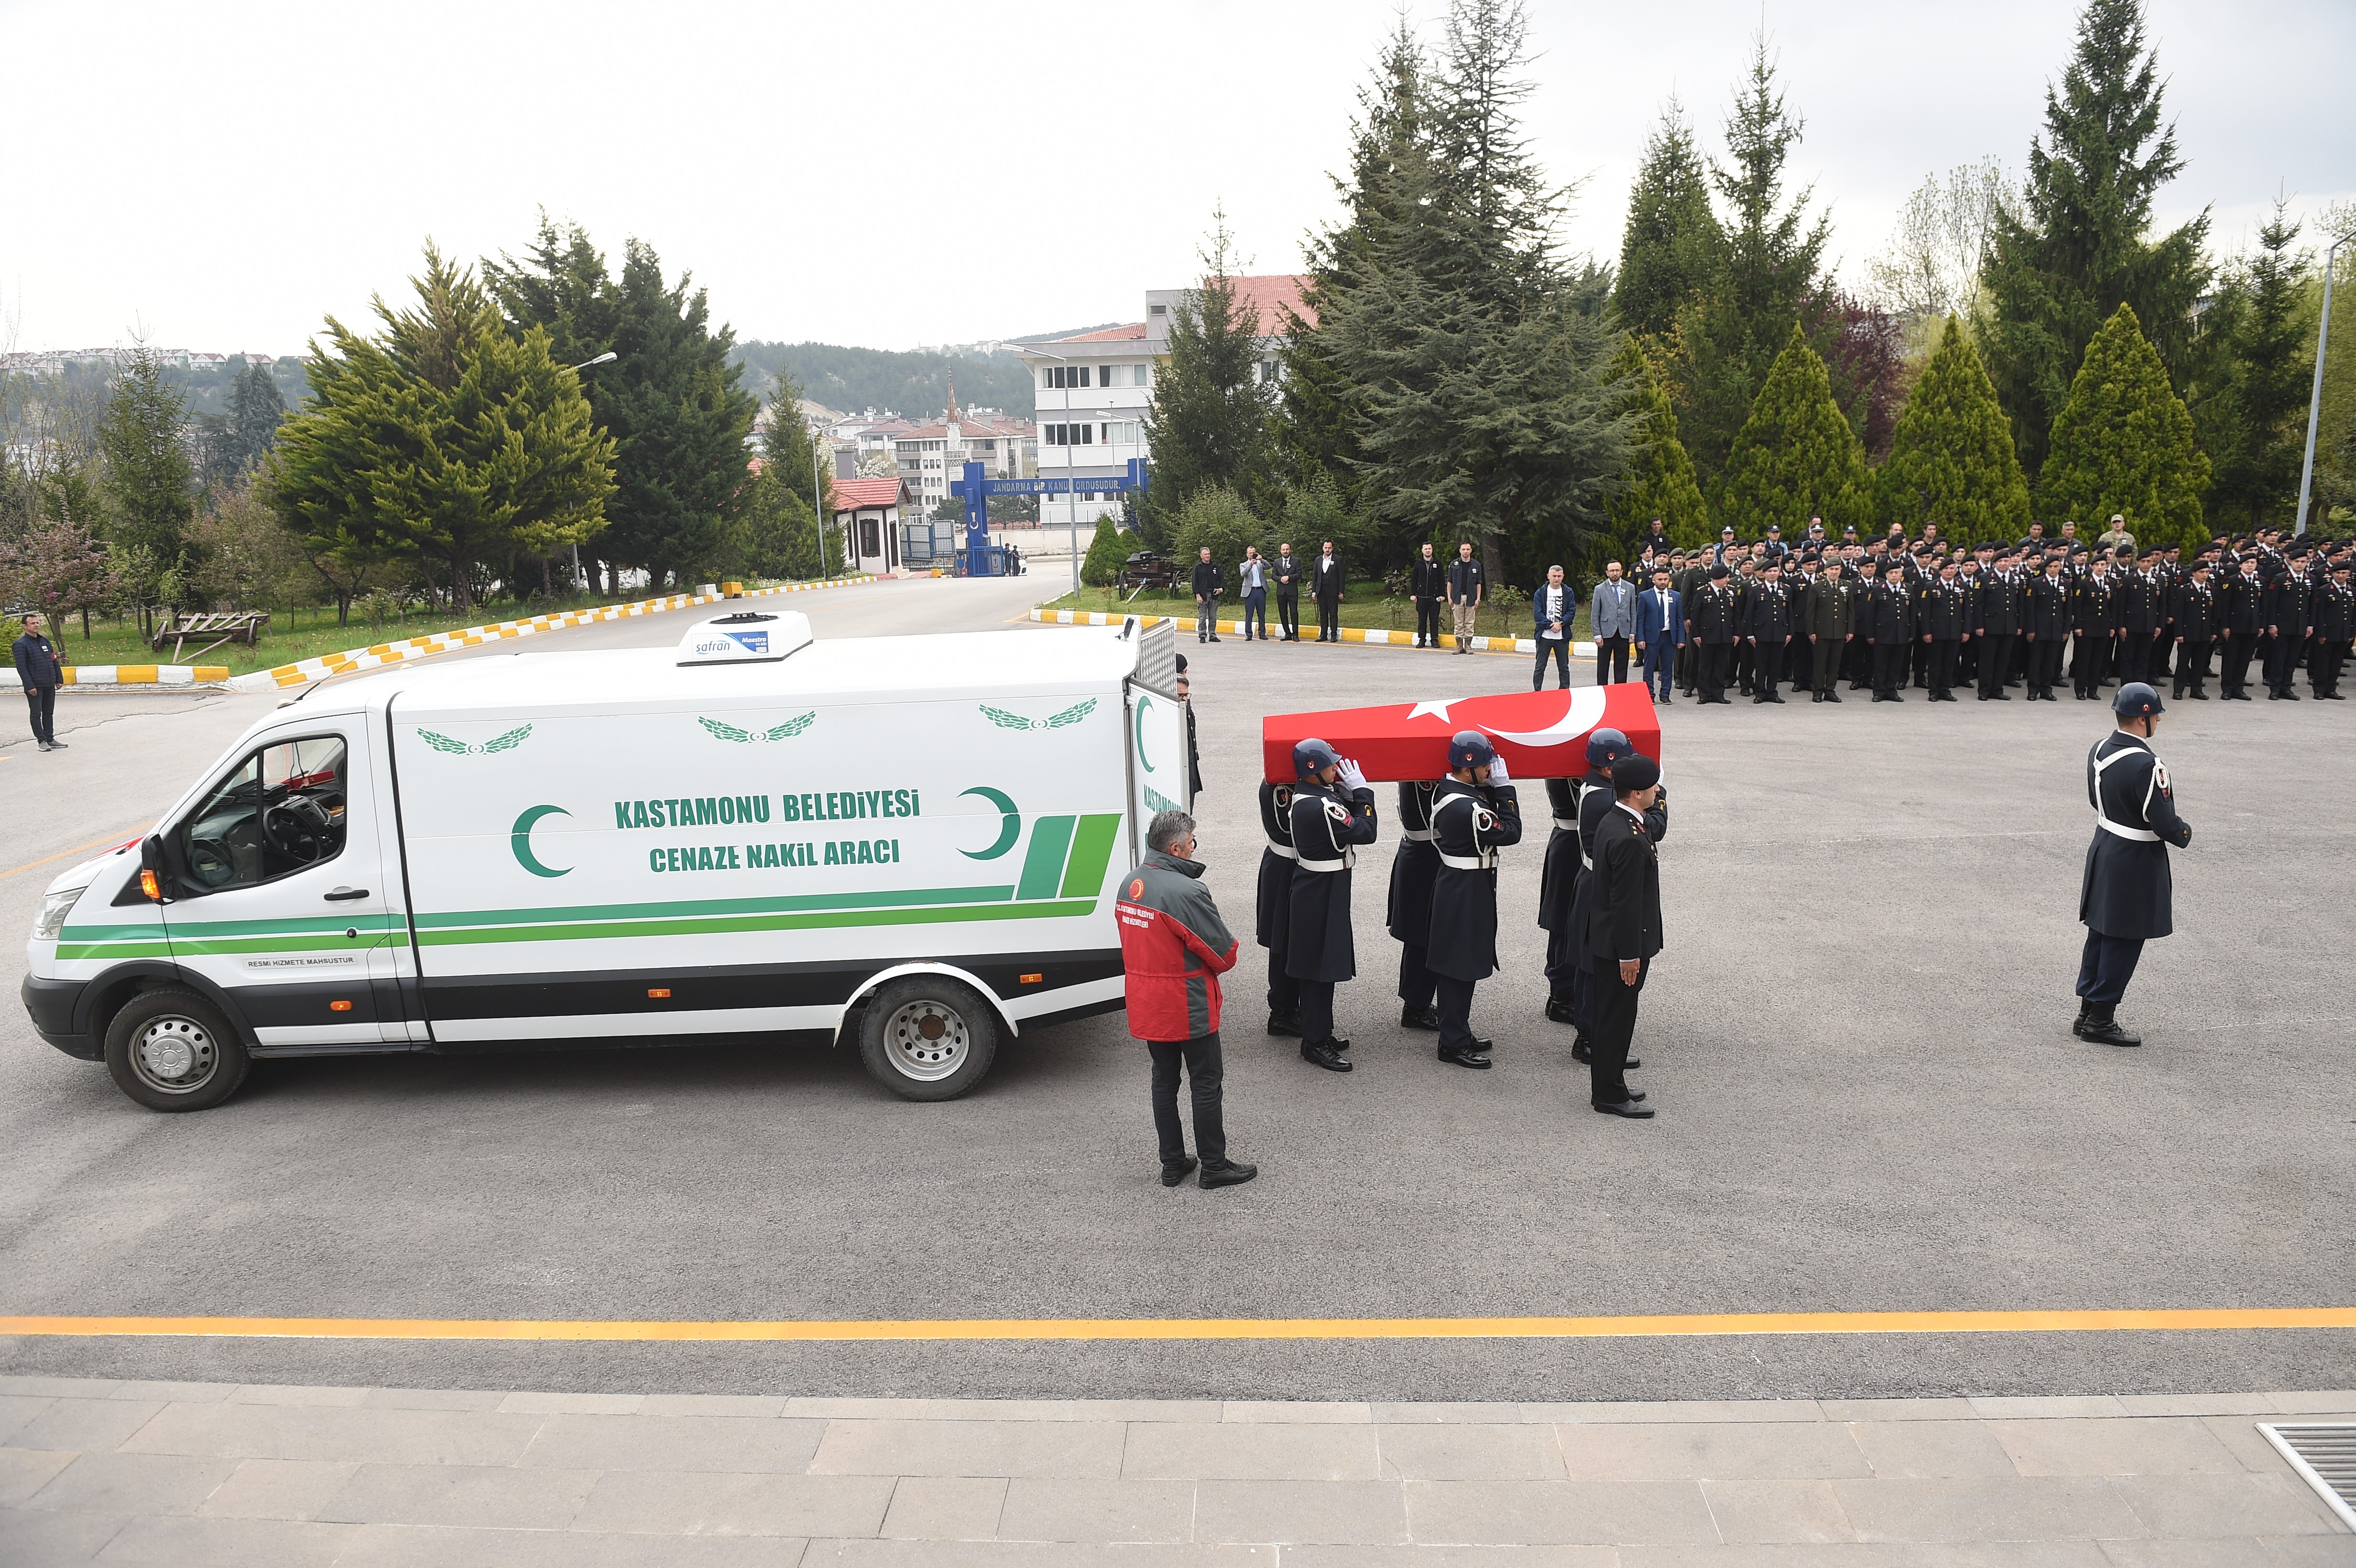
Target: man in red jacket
[[1174, 948]]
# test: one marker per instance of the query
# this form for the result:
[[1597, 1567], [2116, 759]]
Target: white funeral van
[[908, 841]]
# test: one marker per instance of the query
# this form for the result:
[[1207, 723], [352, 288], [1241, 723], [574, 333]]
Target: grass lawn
[[1365, 605], [299, 633]]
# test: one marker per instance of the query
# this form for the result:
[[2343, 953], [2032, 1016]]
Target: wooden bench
[[232, 626]]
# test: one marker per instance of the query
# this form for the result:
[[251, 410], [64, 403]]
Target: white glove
[[1352, 774], [1497, 773]]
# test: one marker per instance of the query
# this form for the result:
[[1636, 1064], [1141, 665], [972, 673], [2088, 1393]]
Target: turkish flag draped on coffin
[[1541, 734]]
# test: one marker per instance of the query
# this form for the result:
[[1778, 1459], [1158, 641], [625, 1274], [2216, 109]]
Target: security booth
[[867, 520]]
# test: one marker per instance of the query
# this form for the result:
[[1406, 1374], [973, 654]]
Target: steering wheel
[[299, 828]]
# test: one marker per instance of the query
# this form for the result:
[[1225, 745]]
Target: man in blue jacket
[[1554, 606], [38, 667], [1660, 633]]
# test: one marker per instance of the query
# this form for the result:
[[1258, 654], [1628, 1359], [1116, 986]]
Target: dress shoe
[[1327, 1054], [2004, 697], [1227, 1173], [2200, 696], [1465, 1056], [1777, 697], [1633, 1110], [1284, 1024], [2101, 1028], [1420, 1018], [1662, 701], [1172, 1175], [1815, 697], [1832, 696], [2085, 1011], [2328, 697], [1557, 1011]]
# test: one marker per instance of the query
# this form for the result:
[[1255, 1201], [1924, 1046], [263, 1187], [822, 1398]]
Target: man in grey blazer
[[1614, 615]]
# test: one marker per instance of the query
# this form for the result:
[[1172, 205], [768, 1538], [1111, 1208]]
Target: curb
[[304, 671], [1349, 634], [116, 676]]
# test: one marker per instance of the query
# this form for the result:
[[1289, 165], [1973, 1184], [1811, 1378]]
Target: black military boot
[[2101, 1028], [1284, 1024], [1473, 1055], [2085, 1011], [1327, 1054], [1558, 1012], [1420, 1018]]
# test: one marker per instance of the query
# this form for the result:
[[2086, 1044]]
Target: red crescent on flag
[[1541, 734]]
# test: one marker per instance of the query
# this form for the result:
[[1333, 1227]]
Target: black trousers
[[2087, 651], [1316, 1010], [2106, 966], [1288, 612], [1715, 658], [43, 702], [1416, 982], [2192, 663], [1996, 659], [1427, 621], [1329, 620], [1857, 661], [1611, 660], [2133, 656], [2235, 671], [2044, 664], [1943, 666], [1283, 990], [1615, 1030], [1559, 647], [2282, 662], [1888, 668], [1689, 664], [1204, 1071], [2324, 662], [1746, 660], [1455, 1012]]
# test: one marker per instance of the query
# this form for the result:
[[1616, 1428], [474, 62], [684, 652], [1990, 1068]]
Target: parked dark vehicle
[[1147, 569]]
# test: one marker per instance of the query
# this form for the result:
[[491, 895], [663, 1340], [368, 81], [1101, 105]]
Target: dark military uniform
[[1595, 798], [1769, 627], [1889, 622], [2140, 618], [1557, 877], [1943, 614], [2124, 898], [2048, 632], [1409, 914], [1995, 626], [1712, 621], [1469, 824], [2241, 616], [1831, 617], [2334, 615], [2196, 629], [1273, 906], [1329, 822], [2287, 626]]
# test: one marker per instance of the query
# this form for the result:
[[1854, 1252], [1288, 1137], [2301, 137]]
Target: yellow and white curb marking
[[1349, 634], [377, 656], [137, 675]]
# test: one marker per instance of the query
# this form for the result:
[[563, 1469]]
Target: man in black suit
[[1327, 586], [1288, 592], [1624, 931], [1427, 586]]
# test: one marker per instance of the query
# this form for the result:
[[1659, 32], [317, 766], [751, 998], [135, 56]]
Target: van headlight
[[55, 907]]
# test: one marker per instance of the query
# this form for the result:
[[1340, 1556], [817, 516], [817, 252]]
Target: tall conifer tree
[[1796, 455], [1952, 460], [1208, 424], [2123, 443], [1667, 247], [1659, 475], [2257, 429]]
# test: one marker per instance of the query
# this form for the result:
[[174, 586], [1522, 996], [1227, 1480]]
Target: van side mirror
[[153, 873]]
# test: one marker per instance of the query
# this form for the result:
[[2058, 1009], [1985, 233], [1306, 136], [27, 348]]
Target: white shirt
[[1554, 602]]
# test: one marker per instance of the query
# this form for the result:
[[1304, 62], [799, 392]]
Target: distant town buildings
[[55, 361]]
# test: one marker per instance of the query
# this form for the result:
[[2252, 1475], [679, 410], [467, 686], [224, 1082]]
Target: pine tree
[[1106, 556], [147, 479], [1796, 455], [2076, 248], [1666, 250], [1952, 460], [442, 441], [2257, 432], [2123, 443], [1208, 424], [1659, 475]]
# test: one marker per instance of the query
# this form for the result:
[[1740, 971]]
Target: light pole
[[2315, 398], [1073, 497], [576, 369]]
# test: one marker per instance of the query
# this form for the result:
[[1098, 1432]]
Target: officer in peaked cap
[[1409, 915], [1332, 814], [1558, 878], [1474, 813], [1604, 749], [1272, 909], [2125, 897]]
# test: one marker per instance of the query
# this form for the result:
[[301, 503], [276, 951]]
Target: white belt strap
[[1418, 834], [1287, 850], [1349, 858], [2140, 835], [1586, 861], [1567, 824], [1469, 862]]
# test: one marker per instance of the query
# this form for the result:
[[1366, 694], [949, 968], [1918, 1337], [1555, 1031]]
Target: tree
[[2123, 443], [1768, 259], [1659, 475], [247, 557], [236, 442], [1666, 250], [1795, 457], [148, 481], [59, 569], [441, 440], [673, 400], [1101, 567], [2257, 430], [1951, 460], [2077, 248], [1940, 248], [1216, 517], [1207, 424]]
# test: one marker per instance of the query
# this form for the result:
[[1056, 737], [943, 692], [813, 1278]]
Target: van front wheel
[[170, 1049], [927, 1038]]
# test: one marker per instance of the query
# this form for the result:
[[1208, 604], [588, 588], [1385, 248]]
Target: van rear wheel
[[924, 1037], [171, 1049]]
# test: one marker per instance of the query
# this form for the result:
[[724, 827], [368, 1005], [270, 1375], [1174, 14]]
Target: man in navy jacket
[[39, 670], [1660, 633]]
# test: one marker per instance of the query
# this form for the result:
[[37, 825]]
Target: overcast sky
[[221, 176]]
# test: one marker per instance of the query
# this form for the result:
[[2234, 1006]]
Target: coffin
[[1541, 734]]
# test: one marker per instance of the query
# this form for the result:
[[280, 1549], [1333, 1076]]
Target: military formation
[[1896, 614], [1599, 903]]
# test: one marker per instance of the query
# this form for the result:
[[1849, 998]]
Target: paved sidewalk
[[213, 1473]]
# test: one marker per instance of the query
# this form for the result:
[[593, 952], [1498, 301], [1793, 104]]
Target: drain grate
[[2326, 1456]]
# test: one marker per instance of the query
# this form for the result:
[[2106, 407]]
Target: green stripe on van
[[1043, 867], [1091, 852]]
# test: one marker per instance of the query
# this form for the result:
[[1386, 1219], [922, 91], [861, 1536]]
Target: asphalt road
[[1858, 1040]]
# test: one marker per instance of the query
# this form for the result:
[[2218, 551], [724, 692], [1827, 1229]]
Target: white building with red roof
[[867, 519]]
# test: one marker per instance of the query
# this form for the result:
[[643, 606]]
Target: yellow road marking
[[107, 842], [2146, 1319]]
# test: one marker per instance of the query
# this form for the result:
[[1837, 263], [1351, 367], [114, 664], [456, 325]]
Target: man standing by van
[[1174, 948], [39, 672]]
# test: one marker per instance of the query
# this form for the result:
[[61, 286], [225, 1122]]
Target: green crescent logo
[[520, 840], [1008, 832], [1142, 704]]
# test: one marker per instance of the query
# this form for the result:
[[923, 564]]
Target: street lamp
[[2315, 398], [602, 358]]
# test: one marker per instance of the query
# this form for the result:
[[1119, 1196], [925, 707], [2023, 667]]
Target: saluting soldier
[[1409, 915], [1474, 813], [1273, 907], [2125, 897], [1332, 814]]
